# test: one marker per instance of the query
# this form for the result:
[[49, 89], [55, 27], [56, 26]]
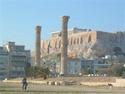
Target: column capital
[[65, 18], [38, 28]]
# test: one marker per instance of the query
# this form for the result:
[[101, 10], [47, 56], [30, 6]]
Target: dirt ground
[[14, 88]]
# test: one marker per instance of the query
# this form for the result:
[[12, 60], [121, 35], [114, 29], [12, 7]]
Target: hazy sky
[[18, 18]]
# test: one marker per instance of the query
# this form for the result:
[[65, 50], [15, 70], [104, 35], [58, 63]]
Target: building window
[[74, 41], [81, 41], [78, 41], [89, 39], [55, 44], [59, 43], [71, 41]]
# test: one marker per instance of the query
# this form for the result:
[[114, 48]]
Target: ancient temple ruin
[[86, 43]]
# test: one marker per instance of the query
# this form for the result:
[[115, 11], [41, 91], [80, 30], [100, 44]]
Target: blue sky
[[18, 18]]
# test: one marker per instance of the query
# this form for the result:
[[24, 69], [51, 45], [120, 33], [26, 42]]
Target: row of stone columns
[[64, 43]]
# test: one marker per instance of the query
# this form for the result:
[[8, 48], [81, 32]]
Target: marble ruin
[[64, 44], [85, 43], [38, 45]]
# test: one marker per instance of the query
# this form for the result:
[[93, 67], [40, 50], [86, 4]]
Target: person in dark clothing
[[24, 83]]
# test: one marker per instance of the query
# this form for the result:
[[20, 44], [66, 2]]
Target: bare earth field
[[12, 88]]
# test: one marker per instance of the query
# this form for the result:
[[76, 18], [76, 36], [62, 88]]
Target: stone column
[[64, 43], [38, 45]]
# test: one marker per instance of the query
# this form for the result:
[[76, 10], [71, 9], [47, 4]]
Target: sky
[[18, 18]]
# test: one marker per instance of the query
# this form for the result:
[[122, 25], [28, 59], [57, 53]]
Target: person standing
[[24, 83]]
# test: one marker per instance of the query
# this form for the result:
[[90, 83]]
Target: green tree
[[117, 51], [37, 72], [117, 69]]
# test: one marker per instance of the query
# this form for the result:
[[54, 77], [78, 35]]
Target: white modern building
[[4, 61], [76, 66], [73, 66], [13, 60]]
